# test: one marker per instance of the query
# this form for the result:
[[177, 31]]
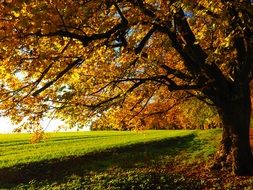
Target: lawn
[[116, 160], [16, 149]]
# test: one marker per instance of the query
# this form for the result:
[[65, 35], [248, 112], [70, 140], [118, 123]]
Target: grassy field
[[115, 160], [16, 149]]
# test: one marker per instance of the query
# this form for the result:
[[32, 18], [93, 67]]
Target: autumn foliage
[[73, 60], [125, 64]]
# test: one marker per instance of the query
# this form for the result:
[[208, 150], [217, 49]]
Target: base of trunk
[[223, 158], [242, 162], [228, 158]]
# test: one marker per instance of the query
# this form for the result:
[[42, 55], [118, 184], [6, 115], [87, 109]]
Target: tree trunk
[[235, 145]]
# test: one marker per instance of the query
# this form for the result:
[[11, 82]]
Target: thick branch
[[141, 45], [84, 38], [194, 56], [141, 6], [203, 8], [162, 79]]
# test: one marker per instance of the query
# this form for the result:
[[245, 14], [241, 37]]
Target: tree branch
[[82, 38], [58, 76], [141, 45], [176, 73], [141, 6]]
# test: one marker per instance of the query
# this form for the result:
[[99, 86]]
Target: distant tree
[[194, 114], [80, 60]]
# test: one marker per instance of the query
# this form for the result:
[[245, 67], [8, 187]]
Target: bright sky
[[50, 126], [5, 125]]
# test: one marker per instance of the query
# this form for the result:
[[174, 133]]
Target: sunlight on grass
[[115, 160], [16, 149]]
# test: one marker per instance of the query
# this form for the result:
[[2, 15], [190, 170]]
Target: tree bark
[[235, 145]]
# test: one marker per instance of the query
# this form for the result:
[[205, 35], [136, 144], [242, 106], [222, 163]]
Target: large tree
[[71, 59]]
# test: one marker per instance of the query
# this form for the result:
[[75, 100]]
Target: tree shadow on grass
[[123, 157]]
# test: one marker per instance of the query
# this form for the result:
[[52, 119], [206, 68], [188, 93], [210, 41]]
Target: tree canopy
[[123, 60], [73, 57]]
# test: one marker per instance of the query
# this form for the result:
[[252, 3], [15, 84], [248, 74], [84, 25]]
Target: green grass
[[118, 160], [15, 148]]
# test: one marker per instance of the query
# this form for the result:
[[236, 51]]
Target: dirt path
[[251, 138]]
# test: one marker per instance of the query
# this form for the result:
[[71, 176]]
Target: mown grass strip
[[148, 163], [18, 150]]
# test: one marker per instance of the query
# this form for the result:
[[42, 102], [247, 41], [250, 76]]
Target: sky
[[5, 125], [49, 126]]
